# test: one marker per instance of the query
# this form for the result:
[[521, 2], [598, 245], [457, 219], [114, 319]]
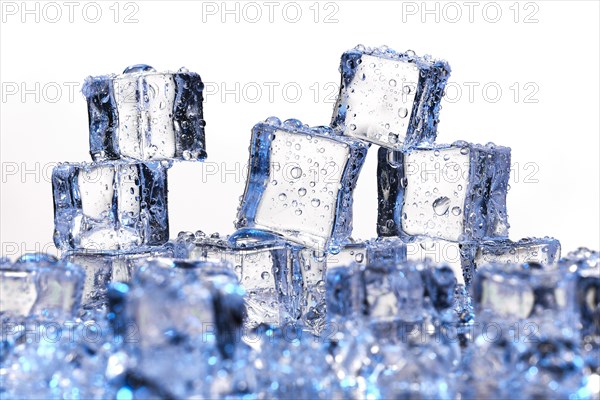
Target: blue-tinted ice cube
[[367, 252], [40, 285], [388, 98], [530, 297], [284, 282], [101, 269], [459, 256], [586, 265], [226, 294], [389, 295], [190, 311], [300, 183], [453, 192], [110, 206], [545, 251], [173, 299], [146, 115]]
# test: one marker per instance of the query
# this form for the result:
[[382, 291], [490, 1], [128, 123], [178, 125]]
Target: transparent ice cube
[[110, 206], [38, 284], [585, 263], [388, 98], [367, 252], [452, 192], [390, 296], [458, 255], [102, 268], [545, 251], [535, 301], [146, 115], [284, 282], [300, 183]]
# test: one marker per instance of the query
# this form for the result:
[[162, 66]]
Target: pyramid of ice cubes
[[289, 305]]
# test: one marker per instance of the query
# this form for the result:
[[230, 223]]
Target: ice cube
[[146, 115], [459, 256], [190, 311], [300, 183], [537, 301], [390, 296], [173, 300], [110, 206], [39, 284], [227, 296], [284, 282], [389, 98], [102, 268], [545, 251], [367, 252], [586, 265], [453, 192]]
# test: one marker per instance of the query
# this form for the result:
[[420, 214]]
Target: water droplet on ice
[[441, 205], [296, 172]]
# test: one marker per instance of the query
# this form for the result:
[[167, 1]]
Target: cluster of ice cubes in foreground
[[442, 304]]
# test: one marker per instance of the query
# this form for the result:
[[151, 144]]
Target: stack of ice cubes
[[441, 304]]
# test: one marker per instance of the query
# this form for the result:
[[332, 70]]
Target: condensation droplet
[[296, 172], [441, 205], [402, 112]]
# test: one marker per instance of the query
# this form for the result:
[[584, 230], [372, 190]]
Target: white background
[[548, 50]]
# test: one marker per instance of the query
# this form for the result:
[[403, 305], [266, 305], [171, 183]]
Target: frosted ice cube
[[146, 115], [300, 183], [110, 206], [388, 98], [453, 192]]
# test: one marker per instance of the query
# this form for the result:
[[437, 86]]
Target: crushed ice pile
[[442, 304]]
